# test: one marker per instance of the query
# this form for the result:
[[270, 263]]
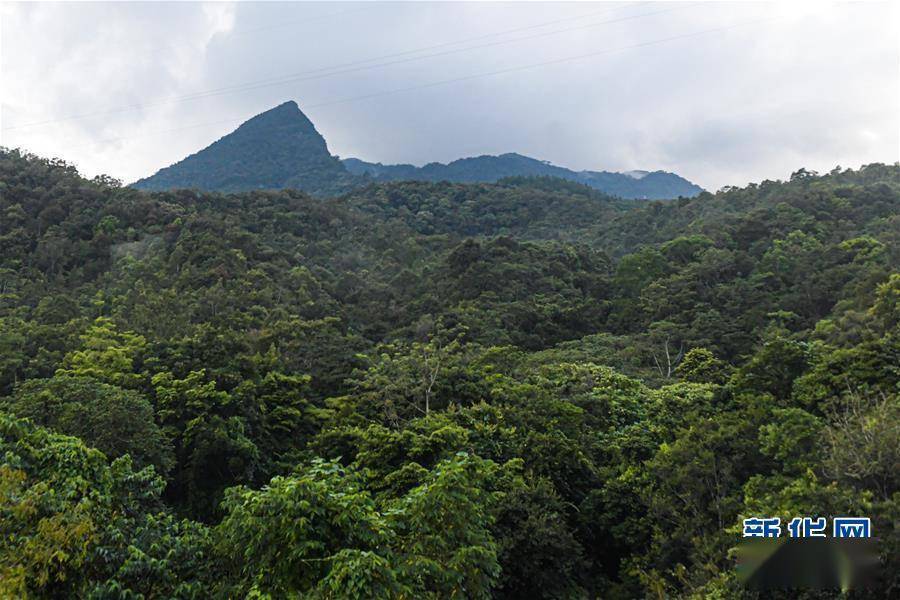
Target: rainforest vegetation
[[524, 389]]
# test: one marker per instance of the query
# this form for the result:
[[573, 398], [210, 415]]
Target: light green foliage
[[320, 532], [284, 538], [106, 355], [887, 303], [869, 367], [701, 366], [679, 405], [445, 544], [794, 438]]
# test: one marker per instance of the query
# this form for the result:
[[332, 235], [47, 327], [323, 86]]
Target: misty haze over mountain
[[281, 148], [721, 93]]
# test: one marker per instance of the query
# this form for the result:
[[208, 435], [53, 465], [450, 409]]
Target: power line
[[331, 72], [463, 41], [545, 63], [445, 44], [471, 77], [303, 21], [292, 79]]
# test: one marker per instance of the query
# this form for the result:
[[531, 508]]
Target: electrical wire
[[470, 77], [338, 70]]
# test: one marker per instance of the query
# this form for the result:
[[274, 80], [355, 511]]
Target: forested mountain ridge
[[280, 149], [416, 389], [657, 185]]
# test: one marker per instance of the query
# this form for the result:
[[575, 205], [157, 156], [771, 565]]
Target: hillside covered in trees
[[489, 169], [520, 389], [281, 149]]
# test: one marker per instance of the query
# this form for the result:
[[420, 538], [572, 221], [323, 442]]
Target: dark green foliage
[[277, 149], [511, 167], [432, 390], [529, 208], [109, 418], [281, 149]]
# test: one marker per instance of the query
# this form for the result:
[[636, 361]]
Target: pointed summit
[[285, 114], [279, 148]]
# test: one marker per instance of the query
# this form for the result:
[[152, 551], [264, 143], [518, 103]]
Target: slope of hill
[[281, 149], [544, 208], [635, 184], [520, 390], [277, 149]]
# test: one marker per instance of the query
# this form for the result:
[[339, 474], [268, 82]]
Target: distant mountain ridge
[[280, 148], [487, 169]]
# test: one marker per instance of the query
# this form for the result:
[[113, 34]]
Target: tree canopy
[[438, 390]]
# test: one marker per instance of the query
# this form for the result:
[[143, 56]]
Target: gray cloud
[[790, 85]]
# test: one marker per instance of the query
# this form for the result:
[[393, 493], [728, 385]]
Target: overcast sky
[[721, 93]]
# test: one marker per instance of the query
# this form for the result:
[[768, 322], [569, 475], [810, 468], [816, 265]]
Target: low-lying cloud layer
[[722, 93]]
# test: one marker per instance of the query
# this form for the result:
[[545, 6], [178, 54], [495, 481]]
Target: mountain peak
[[278, 148], [286, 114], [288, 108]]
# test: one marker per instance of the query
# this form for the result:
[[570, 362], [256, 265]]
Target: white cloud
[[815, 86]]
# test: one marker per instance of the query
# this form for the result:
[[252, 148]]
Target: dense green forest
[[525, 389]]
